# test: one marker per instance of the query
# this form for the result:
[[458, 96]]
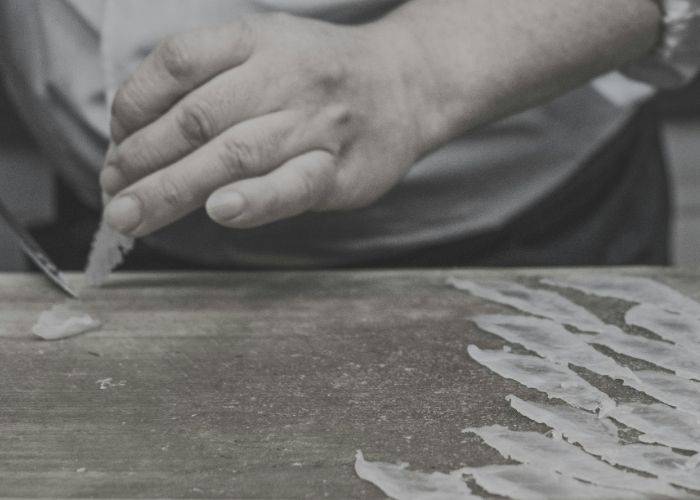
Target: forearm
[[469, 62]]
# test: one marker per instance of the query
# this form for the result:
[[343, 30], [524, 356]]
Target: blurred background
[[681, 134], [680, 112]]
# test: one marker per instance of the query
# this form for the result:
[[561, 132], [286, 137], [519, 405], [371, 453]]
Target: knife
[[34, 252]]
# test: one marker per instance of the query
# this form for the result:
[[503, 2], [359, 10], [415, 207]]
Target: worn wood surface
[[252, 385]]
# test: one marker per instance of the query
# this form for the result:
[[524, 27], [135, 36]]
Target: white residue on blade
[[536, 373], [555, 343], [661, 424], [629, 289], [108, 250], [540, 451], [62, 321], [526, 482], [599, 437], [398, 482]]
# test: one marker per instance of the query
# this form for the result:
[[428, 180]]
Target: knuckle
[[339, 121], [173, 195], [273, 20], [196, 123], [238, 159], [133, 157], [329, 76], [125, 108], [340, 115], [245, 33], [273, 204], [176, 58], [344, 194], [307, 187]]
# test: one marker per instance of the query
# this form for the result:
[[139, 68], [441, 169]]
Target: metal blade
[[34, 252]]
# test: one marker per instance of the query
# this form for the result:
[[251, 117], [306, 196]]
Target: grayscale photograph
[[350, 249]]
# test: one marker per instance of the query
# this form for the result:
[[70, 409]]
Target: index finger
[[177, 66]]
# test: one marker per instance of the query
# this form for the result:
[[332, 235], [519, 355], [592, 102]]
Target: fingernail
[[225, 205], [112, 180], [123, 214]]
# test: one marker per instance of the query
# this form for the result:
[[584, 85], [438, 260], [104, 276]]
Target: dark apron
[[614, 211]]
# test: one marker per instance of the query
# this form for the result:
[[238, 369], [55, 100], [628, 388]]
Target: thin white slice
[[680, 328], [543, 303], [63, 321], [628, 288], [667, 388], [398, 482], [108, 251], [526, 482], [684, 363], [558, 455], [536, 373], [600, 437], [661, 424], [551, 305], [555, 343]]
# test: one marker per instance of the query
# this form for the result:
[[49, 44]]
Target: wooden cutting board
[[253, 384]]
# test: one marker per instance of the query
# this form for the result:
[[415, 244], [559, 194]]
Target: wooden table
[[251, 385]]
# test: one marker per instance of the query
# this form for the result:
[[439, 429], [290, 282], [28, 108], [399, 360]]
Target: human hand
[[262, 120]]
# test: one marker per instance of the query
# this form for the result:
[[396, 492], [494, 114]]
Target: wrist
[[415, 79]]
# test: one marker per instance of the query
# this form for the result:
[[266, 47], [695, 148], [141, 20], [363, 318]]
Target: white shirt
[[67, 57]]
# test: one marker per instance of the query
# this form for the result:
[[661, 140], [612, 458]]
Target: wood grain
[[251, 384]]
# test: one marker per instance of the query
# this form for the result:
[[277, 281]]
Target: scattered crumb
[[107, 383], [81, 470]]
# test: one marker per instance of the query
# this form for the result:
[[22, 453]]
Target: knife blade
[[32, 249]]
